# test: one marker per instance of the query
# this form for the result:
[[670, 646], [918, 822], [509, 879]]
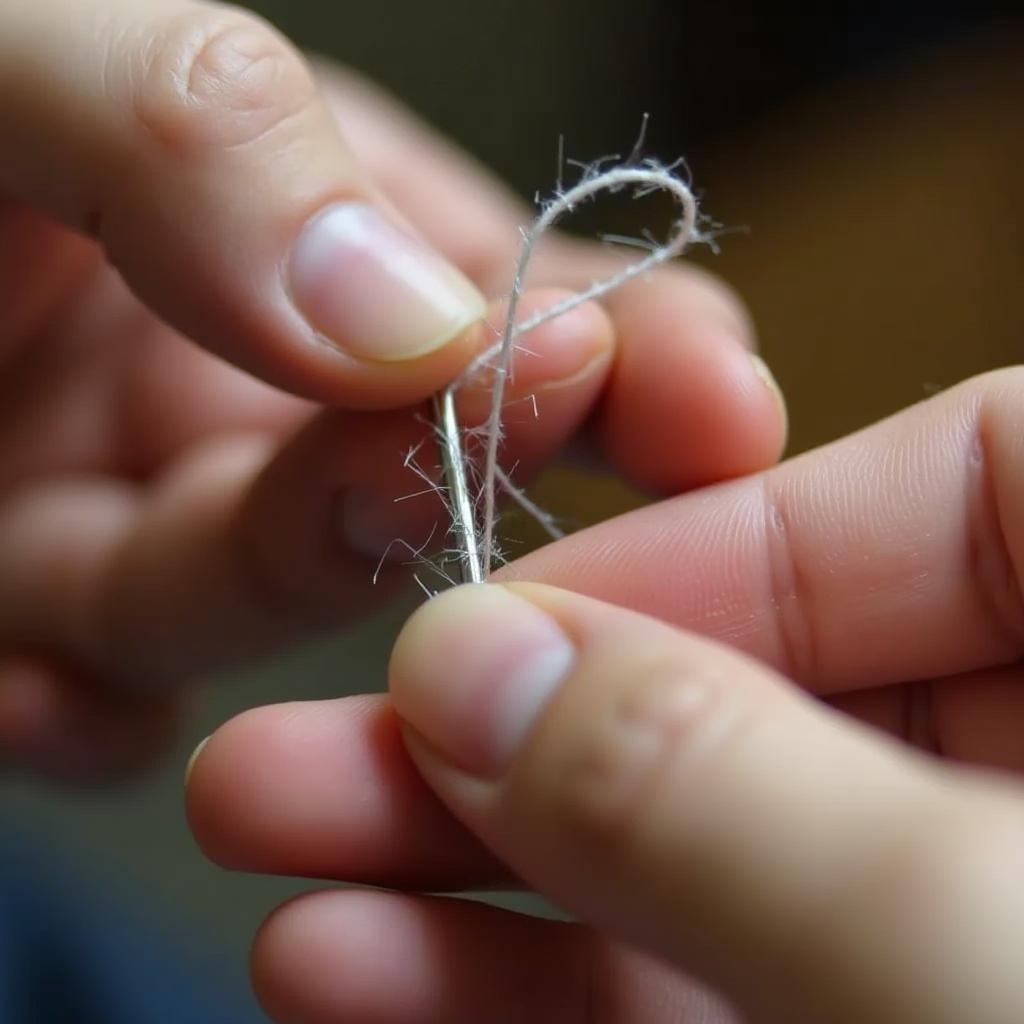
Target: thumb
[[192, 140], [689, 801]]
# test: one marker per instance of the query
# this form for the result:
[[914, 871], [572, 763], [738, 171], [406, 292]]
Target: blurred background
[[874, 160]]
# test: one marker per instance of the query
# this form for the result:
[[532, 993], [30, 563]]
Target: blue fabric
[[70, 955]]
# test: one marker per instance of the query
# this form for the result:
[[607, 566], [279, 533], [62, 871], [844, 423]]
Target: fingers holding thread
[[247, 542], [651, 177], [624, 769], [733, 399]]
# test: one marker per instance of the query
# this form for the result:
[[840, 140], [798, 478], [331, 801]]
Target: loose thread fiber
[[475, 539]]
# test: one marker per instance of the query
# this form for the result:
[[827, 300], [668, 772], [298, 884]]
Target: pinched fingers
[[246, 543], [683, 798]]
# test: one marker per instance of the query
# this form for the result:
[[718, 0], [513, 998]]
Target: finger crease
[[787, 589], [990, 564]]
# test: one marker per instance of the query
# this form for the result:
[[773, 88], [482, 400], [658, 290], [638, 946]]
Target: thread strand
[[476, 540]]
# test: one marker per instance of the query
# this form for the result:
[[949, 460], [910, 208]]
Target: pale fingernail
[[375, 524], [761, 367], [374, 291], [473, 670], [766, 375], [193, 757]]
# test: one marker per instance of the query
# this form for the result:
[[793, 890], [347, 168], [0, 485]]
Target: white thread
[[529, 506], [477, 542]]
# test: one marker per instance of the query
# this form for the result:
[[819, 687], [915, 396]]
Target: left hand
[[163, 512], [679, 797]]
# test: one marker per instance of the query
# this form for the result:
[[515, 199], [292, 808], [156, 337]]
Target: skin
[[176, 447], [163, 511], [701, 815]]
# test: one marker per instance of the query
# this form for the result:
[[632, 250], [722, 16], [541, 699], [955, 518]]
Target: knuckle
[[652, 745], [217, 79]]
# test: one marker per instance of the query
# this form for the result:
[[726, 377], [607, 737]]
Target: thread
[[475, 540]]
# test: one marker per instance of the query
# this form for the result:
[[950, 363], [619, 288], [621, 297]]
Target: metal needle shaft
[[463, 520]]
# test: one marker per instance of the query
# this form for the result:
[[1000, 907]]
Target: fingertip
[[225, 783], [686, 411], [221, 773], [256, 794], [553, 354], [562, 349], [388, 957], [358, 955], [326, 789], [291, 959]]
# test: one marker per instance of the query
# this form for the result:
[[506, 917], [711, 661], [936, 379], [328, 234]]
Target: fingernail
[[762, 370], [472, 671], [374, 291], [766, 375], [193, 758], [372, 522]]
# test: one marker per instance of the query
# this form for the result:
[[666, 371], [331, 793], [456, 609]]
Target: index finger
[[892, 555]]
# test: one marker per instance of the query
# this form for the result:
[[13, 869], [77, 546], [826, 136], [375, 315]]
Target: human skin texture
[[229, 281]]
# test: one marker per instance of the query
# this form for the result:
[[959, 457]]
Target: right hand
[[700, 815]]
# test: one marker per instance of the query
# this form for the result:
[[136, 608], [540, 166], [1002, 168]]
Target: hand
[[162, 511], [697, 813]]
